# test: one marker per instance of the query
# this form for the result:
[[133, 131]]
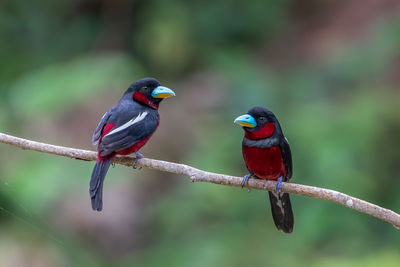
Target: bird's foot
[[246, 178], [278, 187], [138, 156], [113, 164]]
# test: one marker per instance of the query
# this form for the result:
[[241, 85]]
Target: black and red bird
[[267, 155], [124, 129]]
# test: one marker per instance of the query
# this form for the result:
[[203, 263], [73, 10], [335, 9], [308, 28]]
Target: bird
[[267, 155], [124, 129]]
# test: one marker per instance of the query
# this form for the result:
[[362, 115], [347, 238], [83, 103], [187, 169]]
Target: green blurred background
[[330, 70]]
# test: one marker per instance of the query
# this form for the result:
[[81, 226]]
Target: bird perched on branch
[[267, 155], [124, 129]]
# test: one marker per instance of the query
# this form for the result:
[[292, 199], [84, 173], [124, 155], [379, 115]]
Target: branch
[[197, 175]]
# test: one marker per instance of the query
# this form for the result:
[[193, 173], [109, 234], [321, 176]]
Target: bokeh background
[[330, 70]]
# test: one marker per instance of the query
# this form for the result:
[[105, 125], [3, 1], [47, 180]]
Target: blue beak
[[162, 92], [246, 121]]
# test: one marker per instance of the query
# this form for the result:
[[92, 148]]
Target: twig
[[197, 175]]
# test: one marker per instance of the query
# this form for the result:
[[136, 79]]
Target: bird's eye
[[145, 89], [262, 119]]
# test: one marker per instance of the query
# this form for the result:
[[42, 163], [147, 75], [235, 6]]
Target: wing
[[99, 130], [287, 158], [139, 127]]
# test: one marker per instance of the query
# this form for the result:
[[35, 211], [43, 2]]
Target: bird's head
[[149, 92], [258, 123]]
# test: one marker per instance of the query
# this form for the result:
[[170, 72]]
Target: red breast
[[265, 163]]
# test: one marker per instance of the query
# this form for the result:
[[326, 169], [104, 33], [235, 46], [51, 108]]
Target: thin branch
[[197, 175]]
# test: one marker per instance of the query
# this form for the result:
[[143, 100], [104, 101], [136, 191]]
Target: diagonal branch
[[197, 175]]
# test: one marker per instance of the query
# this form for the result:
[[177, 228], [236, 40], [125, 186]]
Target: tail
[[282, 211], [96, 183]]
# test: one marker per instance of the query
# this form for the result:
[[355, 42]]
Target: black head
[[262, 116], [145, 86], [148, 91]]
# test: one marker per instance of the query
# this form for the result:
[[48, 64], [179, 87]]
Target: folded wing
[[124, 136]]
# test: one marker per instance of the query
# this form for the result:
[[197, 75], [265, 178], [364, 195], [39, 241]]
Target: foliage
[[336, 95]]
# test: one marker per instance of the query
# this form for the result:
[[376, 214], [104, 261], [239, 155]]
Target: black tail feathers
[[96, 183], [282, 211]]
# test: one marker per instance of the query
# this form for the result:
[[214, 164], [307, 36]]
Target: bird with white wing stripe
[[124, 129]]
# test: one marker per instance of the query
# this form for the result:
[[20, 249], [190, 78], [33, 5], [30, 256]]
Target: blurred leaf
[[56, 87]]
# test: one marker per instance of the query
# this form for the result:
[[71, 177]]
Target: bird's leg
[[246, 178], [278, 187], [138, 156]]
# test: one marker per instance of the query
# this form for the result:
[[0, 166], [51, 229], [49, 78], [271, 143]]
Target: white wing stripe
[[129, 123]]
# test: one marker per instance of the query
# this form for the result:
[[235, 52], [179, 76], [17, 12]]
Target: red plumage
[[124, 129], [134, 148], [267, 156], [266, 131], [265, 163]]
